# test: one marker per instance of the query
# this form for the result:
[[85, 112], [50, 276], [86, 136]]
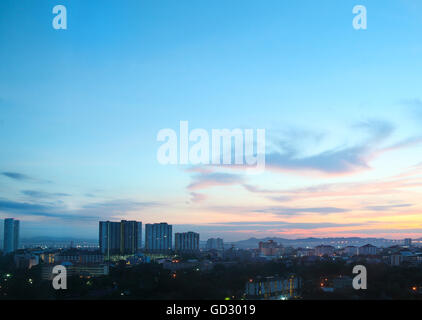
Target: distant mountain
[[251, 243], [312, 242]]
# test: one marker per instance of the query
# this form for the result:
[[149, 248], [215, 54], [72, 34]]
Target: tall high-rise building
[[408, 242], [187, 241], [11, 235], [158, 237], [124, 237], [131, 236], [215, 244], [109, 238]]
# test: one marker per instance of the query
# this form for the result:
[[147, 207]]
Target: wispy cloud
[[295, 211], [211, 179], [256, 189], [395, 185], [263, 225], [43, 194], [279, 198], [7, 205], [41, 210], [197, 197], [119, 205], [328, 162], [23, 177], [339, 160], [93, 211], [388, 207], [17, 176], [300, 225]]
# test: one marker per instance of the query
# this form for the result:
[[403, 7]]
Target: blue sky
[[81, 108]]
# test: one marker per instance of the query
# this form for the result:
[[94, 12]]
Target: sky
[[80, 110]]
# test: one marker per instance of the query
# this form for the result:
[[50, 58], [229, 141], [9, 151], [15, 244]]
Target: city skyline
[[342, 110], [131, 236]]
